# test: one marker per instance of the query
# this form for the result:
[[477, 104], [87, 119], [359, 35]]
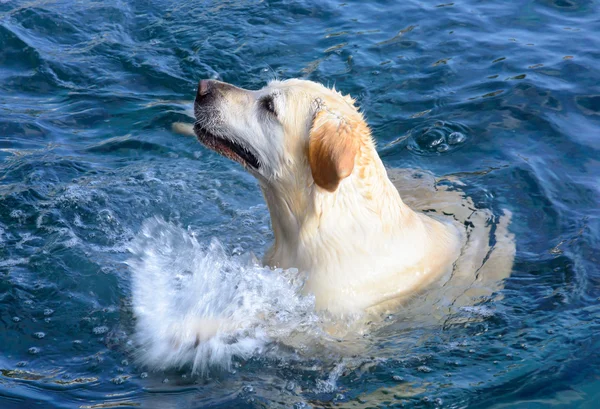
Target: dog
[[337, 214]]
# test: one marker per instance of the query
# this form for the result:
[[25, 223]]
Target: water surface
[[88, 93]]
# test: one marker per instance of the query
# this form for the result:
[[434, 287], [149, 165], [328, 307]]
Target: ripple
[[88, 93], [439, 137], [19, 374], [126, 143]]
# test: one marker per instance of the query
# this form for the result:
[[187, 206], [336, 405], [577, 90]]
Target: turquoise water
[[89, 164]]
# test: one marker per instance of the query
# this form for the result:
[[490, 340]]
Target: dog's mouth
[[227, 147]]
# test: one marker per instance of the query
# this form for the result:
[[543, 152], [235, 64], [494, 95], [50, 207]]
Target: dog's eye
[[269, 104]]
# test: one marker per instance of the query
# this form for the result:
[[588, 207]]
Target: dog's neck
[[350, 232]]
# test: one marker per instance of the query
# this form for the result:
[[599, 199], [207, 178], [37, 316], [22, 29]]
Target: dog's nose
[[204, 87], [210, 89]]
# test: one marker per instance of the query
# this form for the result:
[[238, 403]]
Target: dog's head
[[285, 130]]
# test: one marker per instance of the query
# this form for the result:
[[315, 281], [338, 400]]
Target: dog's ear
[[332, 148]]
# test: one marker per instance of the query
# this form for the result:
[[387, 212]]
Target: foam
[[195, 304]]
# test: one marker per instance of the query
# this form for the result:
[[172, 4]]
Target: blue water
[[88, 93]]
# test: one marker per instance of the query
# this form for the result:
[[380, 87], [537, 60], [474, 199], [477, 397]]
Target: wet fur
[[352, 226]]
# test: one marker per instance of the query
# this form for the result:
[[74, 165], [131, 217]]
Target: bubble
[[119, 380], [398, 378], [424, 369], [39, 335], [144, 375], [439, 137], [48, 311], [17, 214], [21, 364], [248, 389], [34, 350], [455, 138], [443, 147], [16, 319], [103, 329]]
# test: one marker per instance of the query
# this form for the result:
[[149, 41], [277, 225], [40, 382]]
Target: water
[[96, 188]]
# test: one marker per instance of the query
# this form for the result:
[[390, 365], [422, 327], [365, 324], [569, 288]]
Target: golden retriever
[[337, 214]]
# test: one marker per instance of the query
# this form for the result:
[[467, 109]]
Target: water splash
[[194, 304]]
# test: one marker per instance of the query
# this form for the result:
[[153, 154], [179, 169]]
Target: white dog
[[335, 214]]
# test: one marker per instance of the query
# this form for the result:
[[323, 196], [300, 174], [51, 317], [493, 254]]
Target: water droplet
[[34, 350], [248, 389], [166, 380], [290, 386], [124, 362], [39, 335], [16, 319], [144, 375]]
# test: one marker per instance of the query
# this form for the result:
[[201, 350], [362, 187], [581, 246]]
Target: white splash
[[194, 304]]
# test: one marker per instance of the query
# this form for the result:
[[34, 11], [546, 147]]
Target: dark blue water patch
[[16, 55], [589, 104]]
